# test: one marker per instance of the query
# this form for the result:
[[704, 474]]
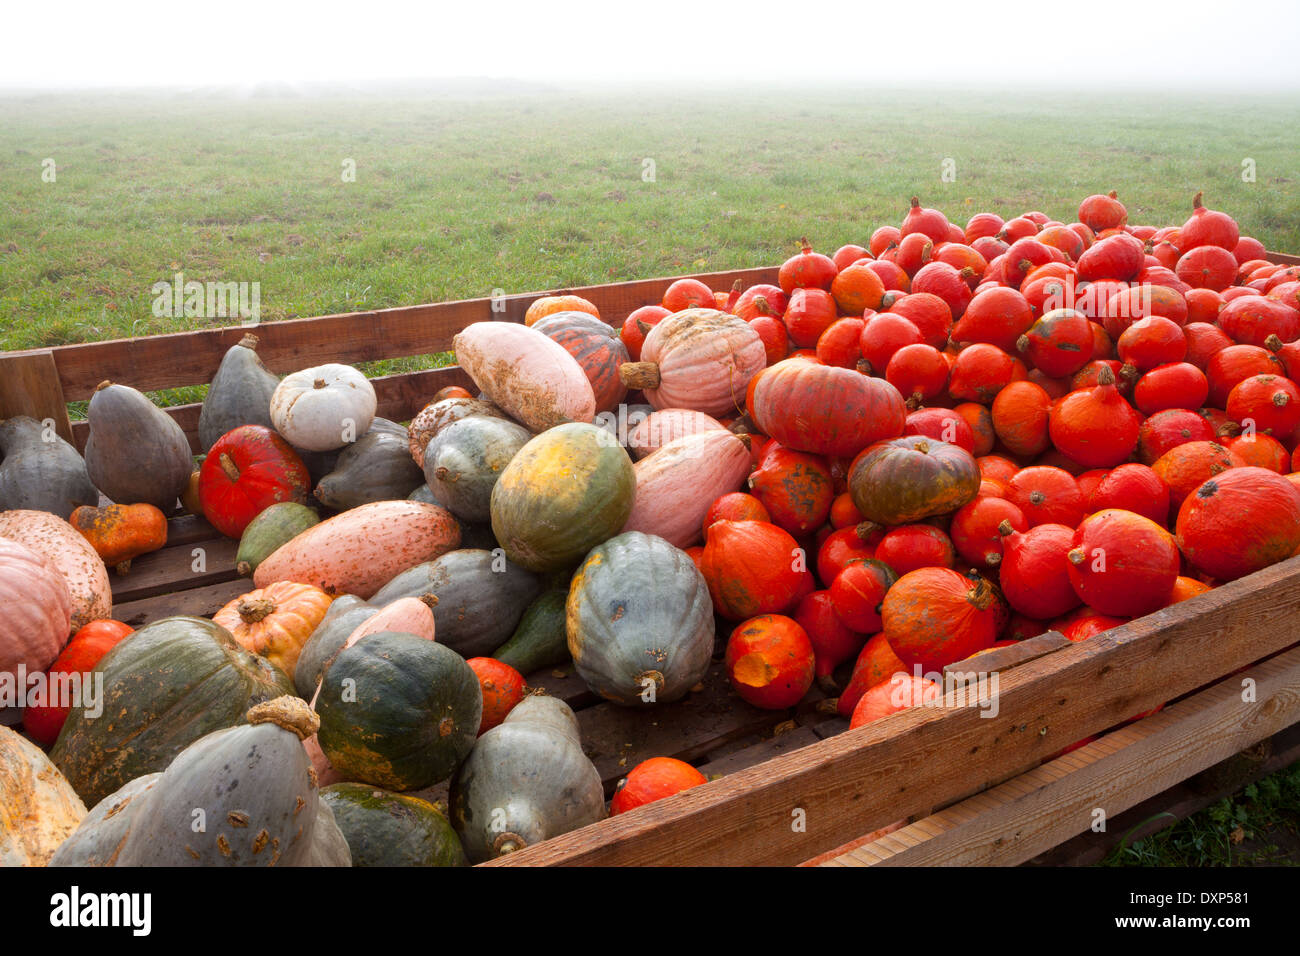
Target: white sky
[[1026, 45]]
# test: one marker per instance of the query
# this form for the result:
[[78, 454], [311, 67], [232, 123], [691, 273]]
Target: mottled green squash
[[398, 711], [277, 525], [640, 621], [463, 462], [541, 639], [392, 829], [39, 471], [164, 687], [481, 597], [99, 838], [566, 491]]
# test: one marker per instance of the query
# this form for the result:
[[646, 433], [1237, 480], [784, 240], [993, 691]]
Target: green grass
[[1258, 826]]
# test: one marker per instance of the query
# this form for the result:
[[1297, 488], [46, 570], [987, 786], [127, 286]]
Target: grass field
[[459, 192]]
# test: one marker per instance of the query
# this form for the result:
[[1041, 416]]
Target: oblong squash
[[463, 462], [63, 545], [135, 452], [532, 378], [357, 552], [659, 428], [392, 829], [676, 484], [240, 393], [275, 526]]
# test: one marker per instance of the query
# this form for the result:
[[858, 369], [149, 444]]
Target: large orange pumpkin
[[935, 616], [1239, 522]]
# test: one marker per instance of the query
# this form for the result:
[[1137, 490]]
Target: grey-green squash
[[392, 829], [376, 467], [639, 621], [98, 840], [346, 613], [277, 525], [438, 415], [136, 453], [464, 460], [526, 781], [240, 393], [480, 597], [163, 687], [565, 492], [423, 493], [39, 471], [398, 711], [541, 639]]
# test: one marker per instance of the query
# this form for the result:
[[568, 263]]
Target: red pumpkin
[[981, 371], [688, 294], [935, 616], [875, 664], [761, 300], [1239, 522], [770, 661], [249, 469], [942, 424], [80, 656], [736, 506], [929, 313], [882, 336], [1034, 572], [807, 270], [857, 593], [1178, 385], [1131, 487], [974, 529], [795, 487], [854, 543], [1270, 403], [752, 568], [1150, 342], [1185, 467], [1020, 418], [652, 780], [1100, 212], [912, 546], [997, 316], [827, 411], [502, 687], [832, 640], [636, 327], [928, 222], [1122, 564], [1047, 495], [900, 692], [840, 345], [1095, 427], [1205, 227], [1235, 364]]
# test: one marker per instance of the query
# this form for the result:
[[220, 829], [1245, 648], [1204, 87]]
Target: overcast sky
[[1061, 45]]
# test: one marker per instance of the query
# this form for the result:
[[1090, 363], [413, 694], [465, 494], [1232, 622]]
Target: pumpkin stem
[[289, 712], [252, 610], [430, 600], [1106, 376], [639, 375], [319, 383], [864, 367], [827, 684], [915, 202], [243, 569], [508, 842], [865, 529], [1022, 344], [123, 567], [1273, 343], [1196, 200], [249, 341], [1127, 372], [441, 473], [805, 244], [993, 560], [1113, 194], [103, 385], [1077, 556], [1005, 528], [228, 466]]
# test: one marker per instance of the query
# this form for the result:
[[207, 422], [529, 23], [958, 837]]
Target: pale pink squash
[[408, 615], [37, 617], [661, 427], [362, 549], [530, 377], [700, 359], [83, 570], [676, 484]]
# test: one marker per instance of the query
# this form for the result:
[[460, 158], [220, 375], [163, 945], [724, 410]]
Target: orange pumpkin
[[652, 780], [550, 304], [119, 533], [275, 621], [502, 688]]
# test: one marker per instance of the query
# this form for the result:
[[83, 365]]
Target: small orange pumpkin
[[275, 621], [550, 304], [119, 533]]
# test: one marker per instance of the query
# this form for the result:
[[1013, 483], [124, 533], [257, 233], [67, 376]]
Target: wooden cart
[[954, 784]]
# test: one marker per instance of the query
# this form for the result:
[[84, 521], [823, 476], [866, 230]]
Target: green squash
[[39, 471], [98, 839], [640, 621], [481, 597], [279, 524], [135, 453], [346, 613], [526, 781], [566, 491], [164, 687], [541, 639], [392, 829], [376, 467], [463, 462], [398, 711], [240, 393]]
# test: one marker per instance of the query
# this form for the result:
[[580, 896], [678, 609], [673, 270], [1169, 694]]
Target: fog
[[1021, 47]]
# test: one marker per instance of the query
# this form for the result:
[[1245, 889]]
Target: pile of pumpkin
[[896, 458]]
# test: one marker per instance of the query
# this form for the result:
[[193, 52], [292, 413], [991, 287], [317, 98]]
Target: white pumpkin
[[323, 408]]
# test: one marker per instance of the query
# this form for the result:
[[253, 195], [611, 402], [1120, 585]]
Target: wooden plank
[[195, 602], [1047, 805], [1004, 658], [189, 529], [191, 358], [757, 753], [1282, 258], [29, 385], [564, 683], [924, 757], [399, 397], [1167, 808], [172, 569]]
